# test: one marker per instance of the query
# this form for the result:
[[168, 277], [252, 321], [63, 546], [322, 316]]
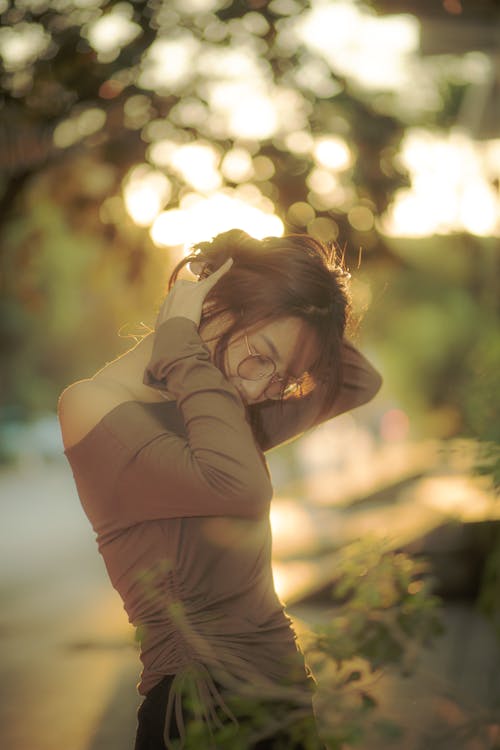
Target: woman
[[166, 446]]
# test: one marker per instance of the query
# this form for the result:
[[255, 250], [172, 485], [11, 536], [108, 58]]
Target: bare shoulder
[[82, 405]]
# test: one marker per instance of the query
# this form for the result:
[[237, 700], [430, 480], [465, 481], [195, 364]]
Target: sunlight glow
[[200, 218], [361, 218], [113, 30], [167, 66], [242, 100], [323, 229], [198, 6], [332, 153], [146, 191], [299, 142], [246, 111], [197, 164], [300, 213], [263, 168], [22, 44], [231, 63], [321, 181], [160, 152], [287, 517], [350, 37], [237, 165], [452, 190], [79, 126], [326, 190], [293, 577], [460, 496], [235, 96], [189, 112], [314, 75]]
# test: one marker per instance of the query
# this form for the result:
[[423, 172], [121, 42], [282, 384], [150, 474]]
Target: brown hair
[[277, 277]]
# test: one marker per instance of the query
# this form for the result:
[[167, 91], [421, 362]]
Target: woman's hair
[[278, 277]]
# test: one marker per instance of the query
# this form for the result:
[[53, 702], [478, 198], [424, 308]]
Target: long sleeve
[[216, 468], [280, 423], [193, 457]]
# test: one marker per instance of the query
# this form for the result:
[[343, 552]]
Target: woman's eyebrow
[[272, 348], [276, 355]]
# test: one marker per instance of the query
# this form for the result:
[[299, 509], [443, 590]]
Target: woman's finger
[[214, 277]]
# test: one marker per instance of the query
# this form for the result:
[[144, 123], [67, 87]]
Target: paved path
[[67, 650]]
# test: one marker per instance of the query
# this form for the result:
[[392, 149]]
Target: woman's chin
[[247, 401]]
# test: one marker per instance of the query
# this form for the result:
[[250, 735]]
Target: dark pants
[[151, 719]]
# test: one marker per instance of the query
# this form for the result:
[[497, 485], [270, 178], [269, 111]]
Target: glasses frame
[[286, 385]]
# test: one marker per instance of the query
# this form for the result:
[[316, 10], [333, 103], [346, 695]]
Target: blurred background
[[129, 130]]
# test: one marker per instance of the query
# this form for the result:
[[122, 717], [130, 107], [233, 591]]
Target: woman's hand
[[186, 298]]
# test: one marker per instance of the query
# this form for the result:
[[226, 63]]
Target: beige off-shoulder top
[[178, 494]]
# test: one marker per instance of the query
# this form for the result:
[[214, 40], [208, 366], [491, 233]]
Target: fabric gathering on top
[[178, 494]]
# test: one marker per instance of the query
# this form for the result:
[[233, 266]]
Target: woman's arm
[[279, 424], [219, 453], [197, 458], [122, 378]]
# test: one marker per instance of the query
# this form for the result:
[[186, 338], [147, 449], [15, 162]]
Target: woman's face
[[288, 342]]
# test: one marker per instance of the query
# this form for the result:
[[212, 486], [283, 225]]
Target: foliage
[[438, 334], [56, 288], [385, 612], [75, 118], [436, 329], [482, 399], [482, 422], [489, 593], [434, 324]]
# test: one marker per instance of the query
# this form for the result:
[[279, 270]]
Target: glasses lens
[[255, 367]]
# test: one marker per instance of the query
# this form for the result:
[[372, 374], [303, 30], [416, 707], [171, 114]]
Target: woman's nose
[[254, 389]]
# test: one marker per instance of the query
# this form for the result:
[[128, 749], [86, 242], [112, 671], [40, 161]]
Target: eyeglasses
[[258, 366]]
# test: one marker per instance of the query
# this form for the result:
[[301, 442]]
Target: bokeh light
[[452, 186], [146, 191], [131, 131], [82, 124], [197, 163], [168, 64], [361, 218], [394, 425], [109, 33], [300, 213], [351, 37], [22, 44], [237, 165], [200, 218], [332, 153]]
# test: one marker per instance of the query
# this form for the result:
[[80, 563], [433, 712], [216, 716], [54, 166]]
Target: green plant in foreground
[[386, 609], [384, 613]]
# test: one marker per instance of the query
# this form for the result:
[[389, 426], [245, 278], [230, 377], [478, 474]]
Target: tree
[[89, 92]]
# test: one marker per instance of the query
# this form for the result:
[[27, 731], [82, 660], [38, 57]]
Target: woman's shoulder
[[82, 405]]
